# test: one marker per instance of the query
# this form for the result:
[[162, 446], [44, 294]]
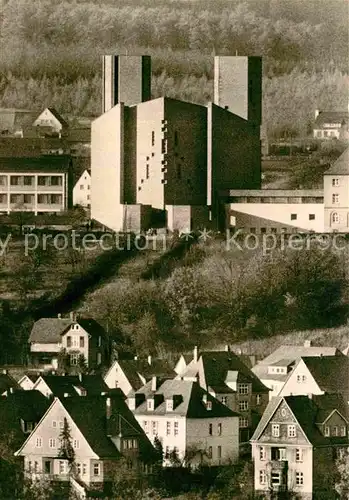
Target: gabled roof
[[7, 382], [331, 373], [340, 166], [28, 406], [134, 368], [50, 330], [58, 117], [65, 384], [325, 117], [191, 400], [293, 353], [90, 416], [308, 413], [217, 364]]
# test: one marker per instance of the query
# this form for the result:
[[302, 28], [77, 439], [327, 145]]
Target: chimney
[[195, 354], [307, 343], [59, 316], [149, 360], [73, 316], [317, 112], [153, 384], [108, 407], [11, 390]]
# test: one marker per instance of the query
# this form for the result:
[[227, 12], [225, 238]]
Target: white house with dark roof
[[102, 431], [82, 190], [191, 424], [74, 337], [51, 121], [274, 370], [131, 374], [318, 375], [329, 124], [336, 195], [296, 443]]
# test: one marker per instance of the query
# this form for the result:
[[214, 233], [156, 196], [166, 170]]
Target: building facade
[[296, 443], [82, 190], [330, 124], [40, 185], [193, 426]]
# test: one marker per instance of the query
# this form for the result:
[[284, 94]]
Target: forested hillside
[[50, 51]]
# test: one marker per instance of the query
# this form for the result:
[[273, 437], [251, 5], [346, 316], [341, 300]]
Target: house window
[[84, 469], [335, 198], [28, 427], [96, 469], [210, 429], [327, 431], [74, 358], [278, 454], [243, 422], [61, 467], [88, 197], [335, 182], [14, 180], [88, 187], [209, 452], [293, 216], [28, 180], [258, 399], [38, 443], [209, 405], [276, 478], [335, 430], [311, 216], [243, 405], [343, 431], [47, 467], [78, 468], [299, 478], [219, 429], [299, 455], [147, 171], [81, 187], [291, 431], [52, 443], [82, 341], [42, 180], [168, 428], [150, 404], [146, 426], [61, 424], [69, 341], [224, 400], [219, 452], [335, 218], [275, 430], [169, 405], [262, 477], [36, 466], [262, 453], [154, 427], [176, 428], [243, 388], [153, 138], [54, 424], [76, 444]]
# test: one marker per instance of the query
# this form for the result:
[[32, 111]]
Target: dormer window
[[209, 405], [243, 388], [150, 404], [343, 431], [28, 427], [132, 403], [169, 404], [327, 431]]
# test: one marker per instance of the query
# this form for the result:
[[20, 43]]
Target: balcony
[[49, 189]]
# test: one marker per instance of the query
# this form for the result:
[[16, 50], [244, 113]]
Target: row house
[[191, 425], [296, 444], [70, 385], [227, 378]]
